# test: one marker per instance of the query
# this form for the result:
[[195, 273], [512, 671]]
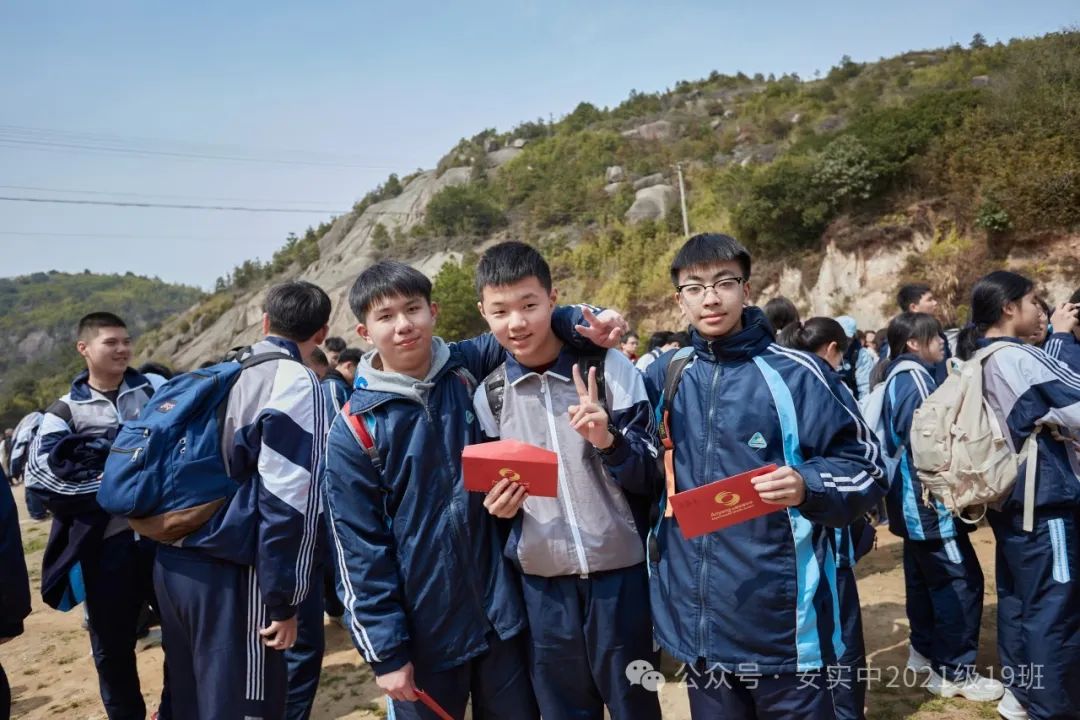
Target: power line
[[32, 144], [113, 236], [171, 206], [154, 195], [98, 141]]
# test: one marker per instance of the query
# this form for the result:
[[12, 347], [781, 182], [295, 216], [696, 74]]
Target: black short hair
[[508, 263], [708, 248], [1075, 297], [318, 357], [89, 324], [683, 338], [156, 369], [334, 344], [387, 278], [353, 355], [658, 339], [297, 309], [781, 312], [911, 294]]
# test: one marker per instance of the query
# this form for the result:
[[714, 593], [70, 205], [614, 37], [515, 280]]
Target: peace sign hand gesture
[[588, 417]]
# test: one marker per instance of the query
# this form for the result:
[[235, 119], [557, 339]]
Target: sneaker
[[1010, 708], [973, 687], [918, 662]]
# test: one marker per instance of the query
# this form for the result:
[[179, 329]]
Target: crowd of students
[[350, 501]]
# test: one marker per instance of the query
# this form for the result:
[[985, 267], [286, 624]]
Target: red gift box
[[534, 467], [721, 504]]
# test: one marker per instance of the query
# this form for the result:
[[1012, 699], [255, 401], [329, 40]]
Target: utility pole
[[682, 201]]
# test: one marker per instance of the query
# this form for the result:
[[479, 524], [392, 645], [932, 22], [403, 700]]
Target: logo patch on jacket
[[166, 406], [758, 442], [469, 417]]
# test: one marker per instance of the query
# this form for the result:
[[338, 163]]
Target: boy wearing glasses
[[752, 609]]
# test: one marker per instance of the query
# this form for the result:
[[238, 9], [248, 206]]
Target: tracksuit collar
[[984, 341], [82, 392], [752, 340], [911, 357], [287, 345], [563, 367]]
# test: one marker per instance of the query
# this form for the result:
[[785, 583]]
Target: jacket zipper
[[704, 574], [455, 528], [571, 517]]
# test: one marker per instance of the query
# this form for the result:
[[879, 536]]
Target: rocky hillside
[[936, 164], [38, 315]]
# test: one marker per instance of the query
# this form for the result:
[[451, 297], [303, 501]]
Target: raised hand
[[1065, 318], [588, 417], [603, 330]]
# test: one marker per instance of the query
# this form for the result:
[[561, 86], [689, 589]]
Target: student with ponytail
[[1038, 588], [826, 340], [942, 575]]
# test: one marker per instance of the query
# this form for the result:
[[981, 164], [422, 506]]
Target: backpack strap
[[363, 435], [672, 377], [1029, 451], [595, 360], [495, 390], [466, 378]]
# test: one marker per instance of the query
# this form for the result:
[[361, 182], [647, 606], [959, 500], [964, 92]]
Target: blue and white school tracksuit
[[304, 659], [251, 564], [942, 575], [112, 566], [1037, 583], [760, 598]]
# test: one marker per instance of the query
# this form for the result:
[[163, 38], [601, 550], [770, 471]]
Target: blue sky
[[371, 87]]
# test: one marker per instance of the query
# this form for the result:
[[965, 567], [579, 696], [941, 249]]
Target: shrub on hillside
[[464, 210]]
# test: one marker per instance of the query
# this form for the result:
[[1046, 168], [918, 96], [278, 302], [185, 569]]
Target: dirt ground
[[52, 674]]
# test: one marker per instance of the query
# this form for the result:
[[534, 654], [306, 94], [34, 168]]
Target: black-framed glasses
[[695, 292]]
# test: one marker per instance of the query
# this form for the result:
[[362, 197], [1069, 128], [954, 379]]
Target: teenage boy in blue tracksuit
[[942, 575], [102, 397], [752, 609], [14, 584], [304, 659], [1037, 572], [430, 602], [581, 555], [229, 592], [851, 543]]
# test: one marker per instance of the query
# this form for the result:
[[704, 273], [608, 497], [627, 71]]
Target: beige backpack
[[962, 456]]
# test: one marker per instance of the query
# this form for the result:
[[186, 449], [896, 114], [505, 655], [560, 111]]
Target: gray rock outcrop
[[652, 203]]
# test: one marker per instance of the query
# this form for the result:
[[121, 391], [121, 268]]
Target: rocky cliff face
[[343, 253]]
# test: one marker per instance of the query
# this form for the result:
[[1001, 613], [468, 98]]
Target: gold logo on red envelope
[[509, 474], [726, 498]]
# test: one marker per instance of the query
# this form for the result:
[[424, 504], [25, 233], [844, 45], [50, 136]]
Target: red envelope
[[534, 467], [721, 504]]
